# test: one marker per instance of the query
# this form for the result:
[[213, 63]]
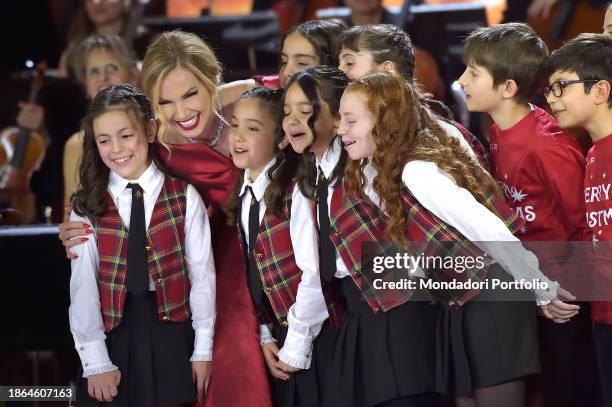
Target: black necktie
[[327, 251], [137, 270], [255, 285]]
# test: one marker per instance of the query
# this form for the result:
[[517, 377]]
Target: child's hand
[[70, 230], [200, 372], [287, 368], [270, 351], [103, 386], [559, 310]]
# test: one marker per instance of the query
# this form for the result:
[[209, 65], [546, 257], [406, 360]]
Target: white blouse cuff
[[99, 369], [201, 357], [94, 357], [265, 335], [543, 297], [296, 351], [203, 343], [297, 362]]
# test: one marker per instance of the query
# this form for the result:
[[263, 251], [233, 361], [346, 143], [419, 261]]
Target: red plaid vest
[[166, 257], [278, 270], [477, 147], [355, 221], [434, 236]]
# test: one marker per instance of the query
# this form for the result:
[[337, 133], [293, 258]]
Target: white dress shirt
[[307, 314], [85, 316], [332, 156], [438, 192]]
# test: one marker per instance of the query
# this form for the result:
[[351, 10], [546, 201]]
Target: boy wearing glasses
[[540, 167], [579, 95]]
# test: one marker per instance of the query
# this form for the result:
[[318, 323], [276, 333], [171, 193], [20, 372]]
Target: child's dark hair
[[385, 42], [322, 36], [320, 84], [509, 51], [88, 200], [282, 172], [588, 55]]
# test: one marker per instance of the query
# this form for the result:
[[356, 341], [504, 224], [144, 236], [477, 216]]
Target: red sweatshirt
[[598, 200], [541, 170]]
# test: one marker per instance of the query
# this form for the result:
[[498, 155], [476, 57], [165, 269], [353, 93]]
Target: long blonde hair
[[405, 130], [179, 49]]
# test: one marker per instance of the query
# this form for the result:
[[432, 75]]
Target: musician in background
[[107, 17], [92, 16], [31, 116]]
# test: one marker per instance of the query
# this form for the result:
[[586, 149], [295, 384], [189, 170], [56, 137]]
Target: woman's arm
[[230, 92]]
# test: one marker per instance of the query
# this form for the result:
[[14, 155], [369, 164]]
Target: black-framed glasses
[[556, 88]]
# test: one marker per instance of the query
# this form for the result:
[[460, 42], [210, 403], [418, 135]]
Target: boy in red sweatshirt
[[579, 94], [540, 167]]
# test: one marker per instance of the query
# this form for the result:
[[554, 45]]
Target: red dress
[[239, 373]]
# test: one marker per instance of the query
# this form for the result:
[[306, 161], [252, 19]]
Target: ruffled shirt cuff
[[296, 351], [265, 335], [94, 358], [201, 357], [202, 348], [543, 297]]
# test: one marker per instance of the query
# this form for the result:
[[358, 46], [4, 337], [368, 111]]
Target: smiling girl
[[432, 191], [308, 44], [146, 270], [275, 224]]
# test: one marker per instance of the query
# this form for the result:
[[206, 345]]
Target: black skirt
[[380, 357], [486, 342], [152, 356], [305, 387]]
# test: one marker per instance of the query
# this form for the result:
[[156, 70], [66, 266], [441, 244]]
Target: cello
[[21, 153], [567, 19]]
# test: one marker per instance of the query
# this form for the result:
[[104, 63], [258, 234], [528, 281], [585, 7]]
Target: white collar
[[149, 180], [260, 184], [330, 158]]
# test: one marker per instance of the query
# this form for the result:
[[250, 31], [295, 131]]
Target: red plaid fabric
[[440, 239], [278, 270], [166, 257], [355, 221], [477, 147], [431, 236]]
